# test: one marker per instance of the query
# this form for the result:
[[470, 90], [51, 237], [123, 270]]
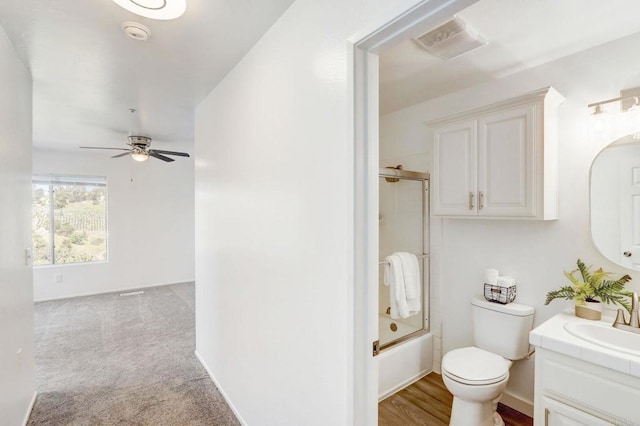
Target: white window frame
[[53, 179]]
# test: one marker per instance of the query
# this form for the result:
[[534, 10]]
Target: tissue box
[[499, 294]]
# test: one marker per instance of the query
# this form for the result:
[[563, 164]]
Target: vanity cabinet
[[499, 161], [570, 391]]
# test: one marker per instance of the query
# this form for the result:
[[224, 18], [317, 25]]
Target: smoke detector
[[451, 39], [136, 31]]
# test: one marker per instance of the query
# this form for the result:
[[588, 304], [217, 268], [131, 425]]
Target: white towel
[[395, 277], [411, 273]]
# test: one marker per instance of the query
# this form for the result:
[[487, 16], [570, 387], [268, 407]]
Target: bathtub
[[390, 329], [403, 363]]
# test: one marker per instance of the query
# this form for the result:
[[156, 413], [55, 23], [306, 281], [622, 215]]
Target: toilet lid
[[475, 366]]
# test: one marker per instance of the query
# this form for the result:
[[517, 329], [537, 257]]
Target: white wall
[[274, 221], [17, 383], [534, 253], [150, 224]]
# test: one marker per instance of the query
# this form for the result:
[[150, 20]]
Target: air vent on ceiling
[[451, 39]]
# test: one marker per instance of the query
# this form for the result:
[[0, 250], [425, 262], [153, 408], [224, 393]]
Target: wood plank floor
[[428, 402]]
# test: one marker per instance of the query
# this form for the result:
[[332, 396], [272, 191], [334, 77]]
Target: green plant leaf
[[595, 285], [584, 271], [565, 292]]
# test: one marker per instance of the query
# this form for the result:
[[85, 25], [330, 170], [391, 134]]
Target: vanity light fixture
[[155, 9], [626, 121], [597, 106]]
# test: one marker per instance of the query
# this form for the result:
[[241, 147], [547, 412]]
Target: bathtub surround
[[16, 294], [132, 361], [403, 364], [535, 253]]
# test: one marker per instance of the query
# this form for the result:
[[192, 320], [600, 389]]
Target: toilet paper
[[491, 276]]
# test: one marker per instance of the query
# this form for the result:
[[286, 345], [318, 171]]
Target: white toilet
[[477, 375]]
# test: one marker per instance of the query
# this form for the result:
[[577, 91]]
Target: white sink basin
[[606, 336]]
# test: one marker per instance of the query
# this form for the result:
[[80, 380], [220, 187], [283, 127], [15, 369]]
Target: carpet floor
[[123, 360]]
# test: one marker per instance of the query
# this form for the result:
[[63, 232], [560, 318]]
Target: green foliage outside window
[[76, 207]]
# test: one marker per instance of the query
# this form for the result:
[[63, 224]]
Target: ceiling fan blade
[[100, 147], [160, 156], [160, 151], [120, 155]]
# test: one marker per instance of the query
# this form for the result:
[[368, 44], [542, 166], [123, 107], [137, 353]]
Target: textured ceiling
[[87, 73]]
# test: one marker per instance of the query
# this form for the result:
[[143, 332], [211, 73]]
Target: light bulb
[[599, 121], [140, 156], [632, 121]]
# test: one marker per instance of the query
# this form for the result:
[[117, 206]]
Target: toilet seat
[[474, 366]]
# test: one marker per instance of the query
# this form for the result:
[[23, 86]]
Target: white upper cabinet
[[454, 153], [499, 161]]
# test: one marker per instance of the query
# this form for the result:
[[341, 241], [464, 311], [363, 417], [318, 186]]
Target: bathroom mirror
[[615, 202]]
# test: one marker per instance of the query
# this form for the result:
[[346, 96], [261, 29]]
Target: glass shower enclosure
[[403, 218]]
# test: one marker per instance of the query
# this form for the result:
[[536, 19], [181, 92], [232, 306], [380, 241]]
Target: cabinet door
[[559, 414], [453, 184], [506, 160]]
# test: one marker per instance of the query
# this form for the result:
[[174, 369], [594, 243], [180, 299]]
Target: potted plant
[[589, 289]]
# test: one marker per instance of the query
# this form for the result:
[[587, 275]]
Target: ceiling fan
[[140, 150]]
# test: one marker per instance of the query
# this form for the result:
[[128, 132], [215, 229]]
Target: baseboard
[[404, 384], [115, 290], [31, 404], [517, 403], [224, 395]]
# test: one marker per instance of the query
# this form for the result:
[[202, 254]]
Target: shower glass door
[[403, 216]]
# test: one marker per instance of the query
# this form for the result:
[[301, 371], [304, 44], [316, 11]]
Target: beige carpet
[[123, 360]]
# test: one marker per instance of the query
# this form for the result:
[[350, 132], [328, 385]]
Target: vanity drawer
[[604, 393]]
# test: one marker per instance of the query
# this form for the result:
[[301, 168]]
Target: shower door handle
[[471, 195]]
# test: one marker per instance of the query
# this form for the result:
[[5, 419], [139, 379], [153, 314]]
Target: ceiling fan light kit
[[140, 156], [155, 9]]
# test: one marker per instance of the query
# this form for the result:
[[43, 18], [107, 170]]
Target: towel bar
[[419, 256]]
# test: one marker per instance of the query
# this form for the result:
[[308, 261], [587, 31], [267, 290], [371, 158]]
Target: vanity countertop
[[551, 335]]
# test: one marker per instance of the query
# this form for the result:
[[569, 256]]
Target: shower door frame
[[425, 278]]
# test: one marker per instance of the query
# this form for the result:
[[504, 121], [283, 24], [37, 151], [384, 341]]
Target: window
[[69, 219]]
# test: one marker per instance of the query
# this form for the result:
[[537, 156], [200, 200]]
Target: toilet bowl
[[477, 375], [476, 379]]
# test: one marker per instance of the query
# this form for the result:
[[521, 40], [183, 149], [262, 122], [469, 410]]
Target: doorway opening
[[416, 21]]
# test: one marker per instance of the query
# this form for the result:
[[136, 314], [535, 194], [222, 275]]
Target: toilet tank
[[502, 329]]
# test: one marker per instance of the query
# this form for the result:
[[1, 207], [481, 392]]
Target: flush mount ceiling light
[[155, 9]]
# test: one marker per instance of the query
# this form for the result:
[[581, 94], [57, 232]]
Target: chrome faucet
[[634, 319]]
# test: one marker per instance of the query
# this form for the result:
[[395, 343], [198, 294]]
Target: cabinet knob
[[471, 195], [627, 254]]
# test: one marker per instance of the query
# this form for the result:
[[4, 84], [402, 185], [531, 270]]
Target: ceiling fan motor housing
[[139, 141]]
